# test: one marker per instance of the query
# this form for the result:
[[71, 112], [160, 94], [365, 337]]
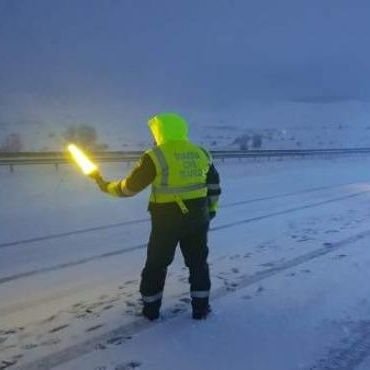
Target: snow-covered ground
[[289, 265]]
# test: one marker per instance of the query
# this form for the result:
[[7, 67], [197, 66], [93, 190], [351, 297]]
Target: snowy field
[[289, 265]]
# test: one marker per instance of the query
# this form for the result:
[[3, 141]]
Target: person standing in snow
[[183, 200]]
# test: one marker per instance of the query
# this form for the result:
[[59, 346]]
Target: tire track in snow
[[134, 222], [284, 195], [289, 210], [81, 261], [350, 356], [70, 233], [138, 325]]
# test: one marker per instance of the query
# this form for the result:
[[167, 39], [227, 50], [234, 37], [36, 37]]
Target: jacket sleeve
[[214, 189], [138, 179]]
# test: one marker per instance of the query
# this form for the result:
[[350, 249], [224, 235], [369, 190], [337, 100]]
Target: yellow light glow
[[82, 160]]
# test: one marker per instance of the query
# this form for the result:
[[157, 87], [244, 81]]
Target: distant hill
[[285, 124]]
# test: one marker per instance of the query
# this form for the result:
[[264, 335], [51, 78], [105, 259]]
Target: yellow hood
[[167, 127]]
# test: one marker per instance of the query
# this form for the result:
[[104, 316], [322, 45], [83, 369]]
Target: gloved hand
[[212, 215], [96, 175]]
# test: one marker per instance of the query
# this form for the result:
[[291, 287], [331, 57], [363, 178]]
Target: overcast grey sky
[[188, 52]]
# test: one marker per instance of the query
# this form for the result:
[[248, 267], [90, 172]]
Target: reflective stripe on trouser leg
[[152, 298], [199, 294], [200, 300]]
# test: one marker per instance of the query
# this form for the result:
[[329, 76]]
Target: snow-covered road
[[289, 257]]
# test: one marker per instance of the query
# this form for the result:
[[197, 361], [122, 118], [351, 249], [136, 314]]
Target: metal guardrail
[[57, 158]]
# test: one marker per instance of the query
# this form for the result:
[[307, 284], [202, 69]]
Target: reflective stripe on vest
[[178, 189], [164, 165]]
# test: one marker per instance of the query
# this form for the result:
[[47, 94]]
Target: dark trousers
[[169, 230]]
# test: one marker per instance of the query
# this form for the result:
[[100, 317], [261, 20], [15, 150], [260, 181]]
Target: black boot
[[201, 314], [201, 308], [151, 310]]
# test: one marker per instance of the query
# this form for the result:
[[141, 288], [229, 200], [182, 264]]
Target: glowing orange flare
[[82, 160]]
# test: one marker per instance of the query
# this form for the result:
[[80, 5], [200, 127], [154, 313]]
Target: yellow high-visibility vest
[[181, 169]]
